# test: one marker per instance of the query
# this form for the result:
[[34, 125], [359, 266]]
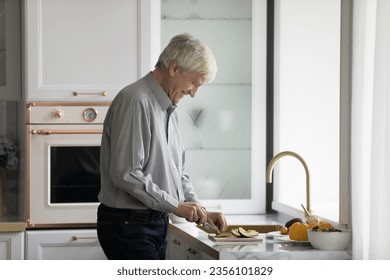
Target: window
[[306, 96], [307, 105]]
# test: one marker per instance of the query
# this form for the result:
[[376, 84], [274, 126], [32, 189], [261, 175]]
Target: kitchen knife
[[211, 228]]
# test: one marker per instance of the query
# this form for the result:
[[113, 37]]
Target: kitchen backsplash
[[8, 119], [2, 43], [8, 129]]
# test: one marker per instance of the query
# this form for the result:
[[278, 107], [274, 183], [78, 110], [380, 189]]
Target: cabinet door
[[175, 248], [12, 246], [80, 50], [224, 127], [63, 245], [10, 76], [191, 252]]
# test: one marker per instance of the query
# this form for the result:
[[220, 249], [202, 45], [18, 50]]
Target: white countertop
[[269, 247]]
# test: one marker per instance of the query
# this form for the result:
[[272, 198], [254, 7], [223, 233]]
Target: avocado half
[[290, 222]]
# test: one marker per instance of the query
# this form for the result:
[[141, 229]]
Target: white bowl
[[329, 240]]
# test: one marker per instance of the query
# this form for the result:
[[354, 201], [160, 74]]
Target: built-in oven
[[63, 166]]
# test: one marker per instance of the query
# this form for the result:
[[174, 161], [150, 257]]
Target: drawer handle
[[102, 93], [191, 251], [83, 237], [176, 242]]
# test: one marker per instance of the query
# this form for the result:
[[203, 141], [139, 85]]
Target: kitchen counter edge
[[12, 226], [195, 236]]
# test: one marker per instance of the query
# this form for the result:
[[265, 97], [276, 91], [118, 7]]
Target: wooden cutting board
[[235, 239]]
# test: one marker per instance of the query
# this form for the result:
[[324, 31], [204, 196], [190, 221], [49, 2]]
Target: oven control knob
[[58, 114], [90, 114]]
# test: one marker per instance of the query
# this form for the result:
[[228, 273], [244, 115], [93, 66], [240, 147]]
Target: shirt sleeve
[[188, 188], [131, 138]]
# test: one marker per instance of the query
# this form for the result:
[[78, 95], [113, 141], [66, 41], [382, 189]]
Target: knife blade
[[210, 227]]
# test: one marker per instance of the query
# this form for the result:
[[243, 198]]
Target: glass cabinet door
[[223, 127]]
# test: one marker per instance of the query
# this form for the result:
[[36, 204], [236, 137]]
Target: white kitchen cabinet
[[175, 248], [194, 253], [10, 62], [84, 50], [12, 246], [178, 249], [67, 244]]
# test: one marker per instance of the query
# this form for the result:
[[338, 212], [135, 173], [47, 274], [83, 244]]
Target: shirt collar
[[161, 95]]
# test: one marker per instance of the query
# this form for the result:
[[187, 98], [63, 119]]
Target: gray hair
[[191, 54]]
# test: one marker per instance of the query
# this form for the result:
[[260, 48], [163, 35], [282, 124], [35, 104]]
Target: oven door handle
[[66, 131]]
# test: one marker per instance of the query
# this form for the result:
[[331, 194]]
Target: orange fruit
[[284, 230], [298, 232], [324, 225], [312, 225]]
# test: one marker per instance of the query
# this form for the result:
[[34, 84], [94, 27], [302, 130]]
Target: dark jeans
[[132, 234]]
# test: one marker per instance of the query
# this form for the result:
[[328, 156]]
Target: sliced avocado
[[247, 233], [224, 234], [235, 232]]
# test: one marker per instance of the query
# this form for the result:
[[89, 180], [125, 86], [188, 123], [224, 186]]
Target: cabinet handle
[[102, 93], [191, 251], [176, 242], [83, 237]]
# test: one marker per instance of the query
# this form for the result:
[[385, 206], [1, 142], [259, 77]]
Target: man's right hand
[[192, 212]]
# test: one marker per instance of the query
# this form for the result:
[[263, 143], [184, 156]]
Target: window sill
[[297, 213]]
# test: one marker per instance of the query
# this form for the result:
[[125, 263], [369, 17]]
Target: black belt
[[147, 212]]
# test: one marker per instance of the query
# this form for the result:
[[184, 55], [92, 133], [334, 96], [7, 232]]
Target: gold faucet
[[272, 163]]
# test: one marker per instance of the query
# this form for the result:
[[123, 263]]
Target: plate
[[275, 233], [214, 238], [294, 242]]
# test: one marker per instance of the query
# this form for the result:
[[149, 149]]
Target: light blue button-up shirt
[[142, 156]]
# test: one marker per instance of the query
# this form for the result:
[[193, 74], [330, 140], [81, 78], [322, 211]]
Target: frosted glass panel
[[216, 124], [217, 118]]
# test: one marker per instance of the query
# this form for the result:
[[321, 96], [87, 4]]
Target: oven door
[[63, 177]]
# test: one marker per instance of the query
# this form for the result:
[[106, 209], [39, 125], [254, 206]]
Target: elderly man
[[142, 156]]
